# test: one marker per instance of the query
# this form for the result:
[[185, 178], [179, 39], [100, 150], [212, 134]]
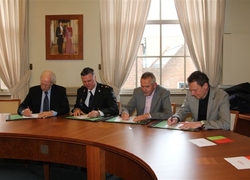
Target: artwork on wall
[[64, 37]]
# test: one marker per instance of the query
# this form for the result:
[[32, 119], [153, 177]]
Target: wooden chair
[[9, 105], [234, 115], [173, 106]]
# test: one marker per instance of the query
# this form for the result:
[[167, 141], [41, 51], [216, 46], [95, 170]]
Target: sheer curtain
[[202, 23], [14, 64], [122, 27]]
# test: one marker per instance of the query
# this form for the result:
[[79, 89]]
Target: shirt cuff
[[101, 113]]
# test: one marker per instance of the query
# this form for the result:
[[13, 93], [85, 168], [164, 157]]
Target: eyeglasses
[[45, 85]]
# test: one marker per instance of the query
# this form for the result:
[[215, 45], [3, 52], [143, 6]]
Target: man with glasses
[[46, 99], [209, 106]]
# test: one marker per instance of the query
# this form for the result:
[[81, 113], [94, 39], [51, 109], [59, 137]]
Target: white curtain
[[122, 27], [14, 63], [202, 23]]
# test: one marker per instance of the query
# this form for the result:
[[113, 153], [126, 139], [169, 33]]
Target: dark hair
[[198, 76], [149, 75], [87, 71]]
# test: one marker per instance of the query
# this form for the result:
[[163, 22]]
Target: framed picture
[[64, 37]]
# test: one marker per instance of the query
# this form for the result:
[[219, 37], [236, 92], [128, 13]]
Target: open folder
[[85, 117], [164, 125], [118, 119]]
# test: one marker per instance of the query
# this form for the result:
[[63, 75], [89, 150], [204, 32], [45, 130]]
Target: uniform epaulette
[[105, 86]]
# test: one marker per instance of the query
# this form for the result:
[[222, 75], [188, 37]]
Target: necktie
[[90, 99], [46, 102]]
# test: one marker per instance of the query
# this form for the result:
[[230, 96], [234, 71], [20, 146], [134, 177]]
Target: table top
[[167, 152]]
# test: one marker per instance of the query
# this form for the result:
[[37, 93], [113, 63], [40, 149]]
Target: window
[[2, 86], [163, 50]]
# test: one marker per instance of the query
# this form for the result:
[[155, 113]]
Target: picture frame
[[64, 42]]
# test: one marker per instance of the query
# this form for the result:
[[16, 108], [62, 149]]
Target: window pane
[[168, 11], [149, 64], [173, 72], [150, 41], [2, 85], [154, 11], [172, 40]]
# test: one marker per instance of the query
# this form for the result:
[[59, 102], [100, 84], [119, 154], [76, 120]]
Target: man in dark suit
[[60, 36], [56, 98], [151, 101], [93, 98]]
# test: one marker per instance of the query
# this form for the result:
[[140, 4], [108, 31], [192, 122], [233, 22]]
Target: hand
[[45, 114], [27, 112], [142, 117], [93, 114], [172, 120], [191, 125], [77, 112], [125, 116]]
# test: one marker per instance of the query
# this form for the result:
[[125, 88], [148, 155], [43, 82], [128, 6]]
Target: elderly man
[[47, 99]]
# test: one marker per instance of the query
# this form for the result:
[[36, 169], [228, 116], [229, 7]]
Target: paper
[[219, 139], [119, 119], [32, 116], [202, 142], [174, 126], [164, 124], [240, 162], [84, 116]]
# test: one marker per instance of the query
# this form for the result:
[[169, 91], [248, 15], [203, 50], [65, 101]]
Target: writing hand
[[27, 112], [125, 116], [172, 120], [93, 114]]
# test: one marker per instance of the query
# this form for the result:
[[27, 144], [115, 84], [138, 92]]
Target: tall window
[[163, 50]]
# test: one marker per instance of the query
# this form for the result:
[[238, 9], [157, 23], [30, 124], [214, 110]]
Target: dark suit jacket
[[58, 100], [104, 100]]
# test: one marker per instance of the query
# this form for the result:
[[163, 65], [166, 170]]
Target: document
[[32, 116], [84, 117], [240, 162], [202, 142], [164, 124], [118, 119]]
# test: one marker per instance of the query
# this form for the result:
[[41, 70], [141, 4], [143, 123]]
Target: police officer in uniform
[[93, 98]]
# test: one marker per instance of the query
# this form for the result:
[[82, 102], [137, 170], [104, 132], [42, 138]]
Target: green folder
[[164, 125]]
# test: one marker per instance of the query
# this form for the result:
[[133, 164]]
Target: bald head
[[47, 79]]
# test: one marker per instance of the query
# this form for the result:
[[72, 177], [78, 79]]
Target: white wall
[[67, 71], [236, 51]]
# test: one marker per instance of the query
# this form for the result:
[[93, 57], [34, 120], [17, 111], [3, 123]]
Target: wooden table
[[126, 150]]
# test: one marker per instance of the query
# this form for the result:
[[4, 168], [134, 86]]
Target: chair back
[[173, 106], [9, 105], [234, 115]]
